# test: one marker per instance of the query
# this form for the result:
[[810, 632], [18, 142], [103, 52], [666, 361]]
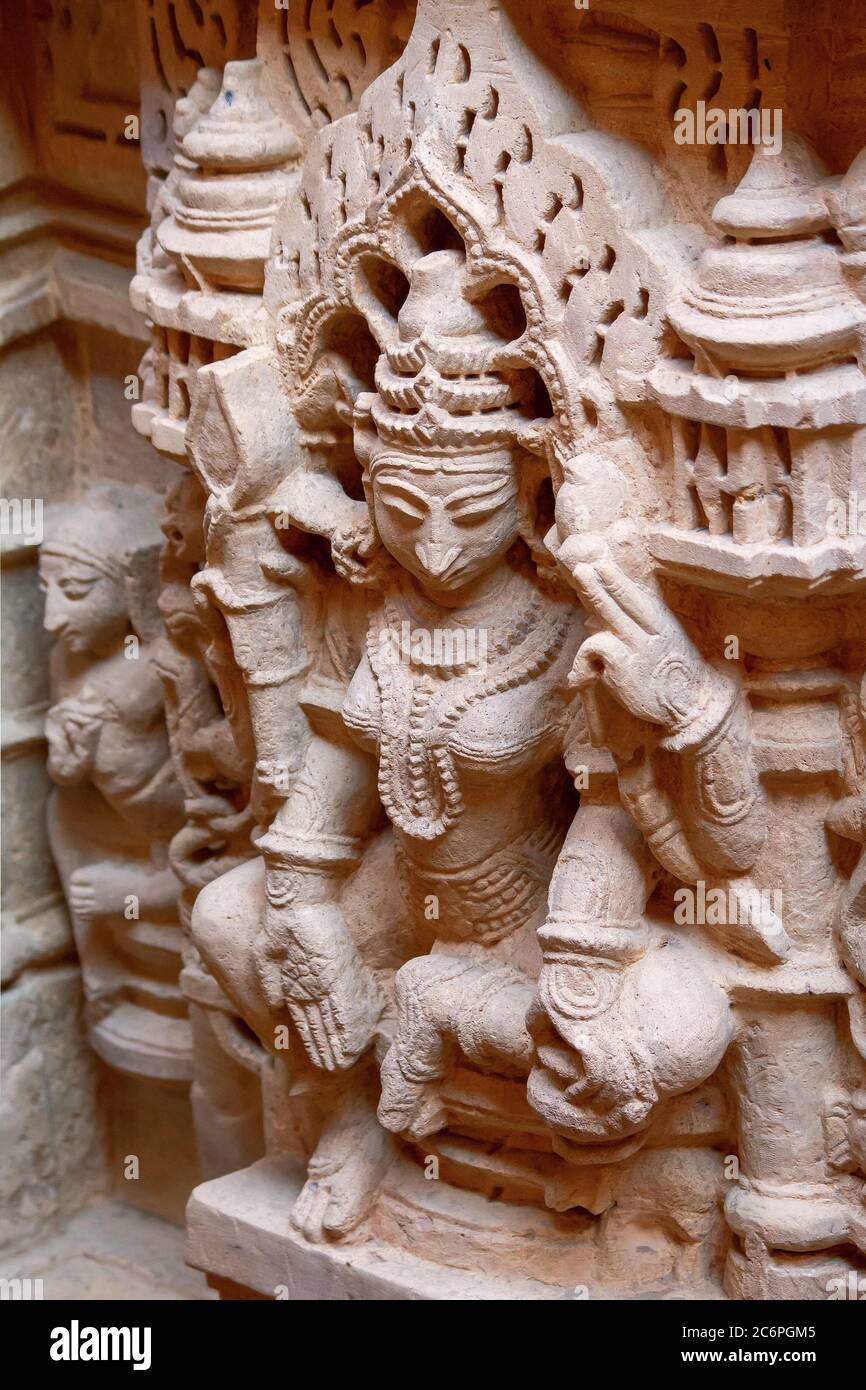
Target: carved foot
[[344, 1173], [446, 1005], [410, 1105], [428, 993]]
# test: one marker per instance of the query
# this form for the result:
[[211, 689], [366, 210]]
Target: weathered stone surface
[[498, 744], [52, 1141], [71, 207], [110, 1253], [528, 537]]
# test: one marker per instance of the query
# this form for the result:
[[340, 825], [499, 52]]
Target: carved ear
[[141, 586]]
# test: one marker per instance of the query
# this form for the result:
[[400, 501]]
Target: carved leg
[[225, 920], [226, 1093], [625, 1016], [348, 1164], [446, 1003], [604, 1063]]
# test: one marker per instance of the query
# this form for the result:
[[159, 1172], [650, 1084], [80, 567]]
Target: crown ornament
[[443, 399]]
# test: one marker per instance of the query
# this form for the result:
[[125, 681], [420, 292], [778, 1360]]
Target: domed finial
[[241, 130], [237, 154], [771, 298], [779, 195]]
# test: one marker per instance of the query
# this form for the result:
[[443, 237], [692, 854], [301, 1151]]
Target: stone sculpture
[[515, 662], [117, 800], [208, 726]]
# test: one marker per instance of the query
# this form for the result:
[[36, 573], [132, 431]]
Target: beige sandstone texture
[[457, 695], [72, 204], [108, 1252]]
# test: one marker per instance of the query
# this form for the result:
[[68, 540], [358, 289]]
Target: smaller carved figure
[[208, 725], [117, 802]]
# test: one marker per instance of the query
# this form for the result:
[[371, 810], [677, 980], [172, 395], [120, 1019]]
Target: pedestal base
[[239, 1232], [776, 1276]]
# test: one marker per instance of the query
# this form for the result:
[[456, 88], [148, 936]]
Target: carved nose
[[436, 557], [54, 620]]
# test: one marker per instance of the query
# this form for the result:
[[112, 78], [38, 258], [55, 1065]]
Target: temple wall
[[434, 812], [72, 201]]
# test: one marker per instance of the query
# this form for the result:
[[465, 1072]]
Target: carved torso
[[110, 731], [464, 747]]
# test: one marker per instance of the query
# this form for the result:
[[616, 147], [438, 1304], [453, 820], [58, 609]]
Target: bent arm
[[723, 802], [305, 953]]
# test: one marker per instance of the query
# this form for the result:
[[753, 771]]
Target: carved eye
[[471, 514], [75, 589], [469, 509], [404, 506]]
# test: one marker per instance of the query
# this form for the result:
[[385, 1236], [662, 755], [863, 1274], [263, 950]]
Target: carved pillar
[[768, 440], [204, 308]]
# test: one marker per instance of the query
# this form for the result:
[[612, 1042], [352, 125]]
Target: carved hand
[[332, 996], [72, 729], [592, 1077], [101, 890], [644, 658]]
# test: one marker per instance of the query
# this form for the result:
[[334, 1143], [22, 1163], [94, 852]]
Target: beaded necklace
[[418, 782]]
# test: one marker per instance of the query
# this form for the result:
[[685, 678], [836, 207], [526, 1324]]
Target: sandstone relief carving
[[506, 671], [117, 800]]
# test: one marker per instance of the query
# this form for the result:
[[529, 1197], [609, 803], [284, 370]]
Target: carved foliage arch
[[447, 148]]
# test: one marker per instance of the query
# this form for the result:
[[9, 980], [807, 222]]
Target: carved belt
[[486, 901]]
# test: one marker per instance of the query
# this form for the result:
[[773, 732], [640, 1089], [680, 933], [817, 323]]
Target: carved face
[[447, 528], [84, 608]]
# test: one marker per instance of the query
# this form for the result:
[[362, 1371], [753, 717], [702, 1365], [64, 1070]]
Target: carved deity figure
[[518, 538], [212, 750], [451, 724], [117, 801]]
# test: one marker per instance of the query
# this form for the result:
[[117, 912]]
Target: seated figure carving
[[117, 802], [451, 724]]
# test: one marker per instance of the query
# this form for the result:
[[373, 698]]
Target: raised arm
[[647, 662]]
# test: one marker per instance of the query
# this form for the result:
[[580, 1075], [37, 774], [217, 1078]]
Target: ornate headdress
[[109, 525], [444, 399]]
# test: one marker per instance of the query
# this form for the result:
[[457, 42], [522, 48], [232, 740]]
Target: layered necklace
[[424, 697]]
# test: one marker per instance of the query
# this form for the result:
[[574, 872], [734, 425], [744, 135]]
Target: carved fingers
[[600, 1086], [101, 890], [599, 1076], [82, 895], [72, 729], [331, 1041], [332, 996], [644, 657], [623, 606]]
